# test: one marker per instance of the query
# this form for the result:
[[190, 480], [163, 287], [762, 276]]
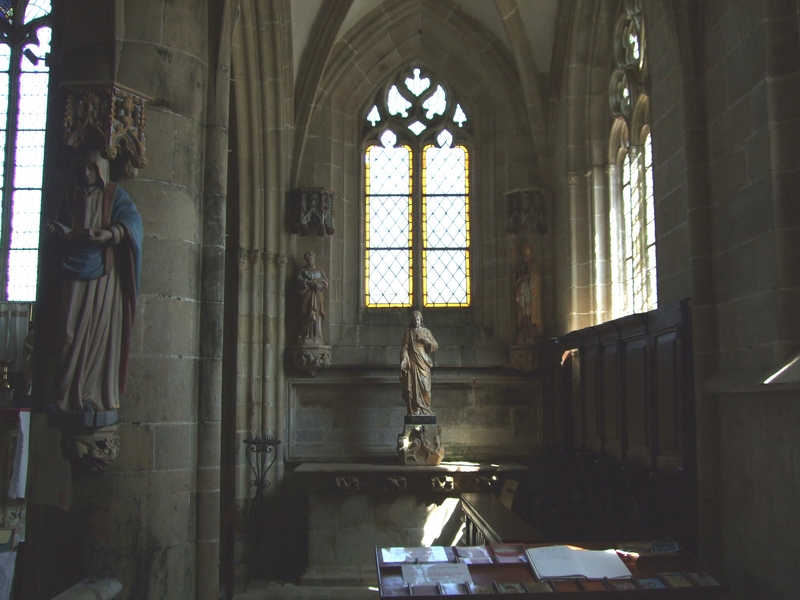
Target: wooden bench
[[489, 519]]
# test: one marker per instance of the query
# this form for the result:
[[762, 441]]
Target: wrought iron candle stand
[[261, 454]]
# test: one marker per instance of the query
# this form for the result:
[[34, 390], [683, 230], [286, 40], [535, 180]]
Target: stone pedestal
[[421, 441]]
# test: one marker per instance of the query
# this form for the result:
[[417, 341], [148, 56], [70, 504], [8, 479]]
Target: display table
[[652, 577]]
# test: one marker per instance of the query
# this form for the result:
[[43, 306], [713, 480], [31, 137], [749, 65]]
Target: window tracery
[[417, 234], [633, 250]]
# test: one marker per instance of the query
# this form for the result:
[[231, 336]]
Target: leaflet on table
[[473, 555], [433, 554], [509, 553], [436, 573], [556, 562]]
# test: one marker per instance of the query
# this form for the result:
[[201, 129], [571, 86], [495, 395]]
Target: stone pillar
[[574, 258], [138, 521], [601, 223]]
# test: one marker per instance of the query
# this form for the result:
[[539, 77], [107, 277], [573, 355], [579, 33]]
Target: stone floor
[[287, 591]]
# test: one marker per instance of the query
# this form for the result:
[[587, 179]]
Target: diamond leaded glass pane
[[28, 162], [388, 226], [446, 278], [445, 223]]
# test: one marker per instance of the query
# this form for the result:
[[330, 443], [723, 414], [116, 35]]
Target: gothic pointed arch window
[[632, 215], [25, 32], [417, 195]]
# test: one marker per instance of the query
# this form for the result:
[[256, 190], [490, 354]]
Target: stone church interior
[[312, 278]]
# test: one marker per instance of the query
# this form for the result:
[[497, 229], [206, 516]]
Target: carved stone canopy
[[109, 116], [311, 209], [526, 210]]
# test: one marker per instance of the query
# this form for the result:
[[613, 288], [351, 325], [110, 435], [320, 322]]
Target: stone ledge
[[448, 477]]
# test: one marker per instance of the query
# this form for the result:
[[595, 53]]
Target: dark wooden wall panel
[[638, 429]]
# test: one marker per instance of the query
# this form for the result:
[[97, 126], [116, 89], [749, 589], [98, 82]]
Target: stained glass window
[[417, 196], [632, 219], [24, 77]]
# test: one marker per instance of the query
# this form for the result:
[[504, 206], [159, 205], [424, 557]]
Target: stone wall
[[357, 415], [760, 526]]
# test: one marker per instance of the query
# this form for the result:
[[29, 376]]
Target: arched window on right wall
[[632, 215]]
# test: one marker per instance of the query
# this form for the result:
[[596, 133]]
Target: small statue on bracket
[[310, 353], [528, 295], [311, 285]]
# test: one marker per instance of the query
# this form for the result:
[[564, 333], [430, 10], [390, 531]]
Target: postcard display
[[627, 571]]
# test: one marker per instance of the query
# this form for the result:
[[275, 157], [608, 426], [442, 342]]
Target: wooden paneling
[[634, 439], [637, 418]]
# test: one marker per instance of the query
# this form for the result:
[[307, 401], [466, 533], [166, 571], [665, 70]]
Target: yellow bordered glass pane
[[445, 226], [388, 225]]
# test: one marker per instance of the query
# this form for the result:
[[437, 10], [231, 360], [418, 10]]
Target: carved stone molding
[[311, 359], [311, 209], [444, 478], [395, 484], [110, 116], [256, 256], [442, 483], [90, 449], [572, 179], [347, 483], [526, 210]]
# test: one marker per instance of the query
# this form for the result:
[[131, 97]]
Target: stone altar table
[[353, 507]]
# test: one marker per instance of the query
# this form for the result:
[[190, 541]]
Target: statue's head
[[92, 168], [310, 258], [527, 252], [416, 319]]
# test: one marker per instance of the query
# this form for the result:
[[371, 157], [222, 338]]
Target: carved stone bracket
[[90, 449], [442, 483], [110, 116], [347, 483], [395, 484], [526, 210], [311, 359], [311, 209]]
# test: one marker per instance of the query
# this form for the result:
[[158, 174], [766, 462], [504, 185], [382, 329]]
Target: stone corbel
[[110, 116], [310, 359], [311, 209], [89, 440], [526, 210], [90, 450]]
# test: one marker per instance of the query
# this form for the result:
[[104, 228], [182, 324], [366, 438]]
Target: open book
[[563, 562]]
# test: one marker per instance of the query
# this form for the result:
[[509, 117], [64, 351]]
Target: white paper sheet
[[19, 477]]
